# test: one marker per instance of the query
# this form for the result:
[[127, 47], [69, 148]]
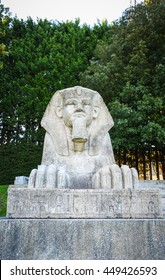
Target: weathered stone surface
[[78, 176], [21, 180], [71, 203], [107, 177], [78, 145], [154, 185], [135, 181], [82, 239], [116, 177], [77, 141], [127, 177]]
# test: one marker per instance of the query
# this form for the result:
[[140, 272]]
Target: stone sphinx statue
[[78, 176], [77, 151]]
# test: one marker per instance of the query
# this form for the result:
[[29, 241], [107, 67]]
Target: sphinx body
[[77, 149]]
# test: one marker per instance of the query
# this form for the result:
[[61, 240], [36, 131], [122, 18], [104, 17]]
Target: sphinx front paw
[[114, 177], [49, 177]]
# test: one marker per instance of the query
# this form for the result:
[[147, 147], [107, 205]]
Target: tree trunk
[[125, 157], [150, 164], [136, 160], [163, 166], [157, 164], [119, 157], [144, 164]]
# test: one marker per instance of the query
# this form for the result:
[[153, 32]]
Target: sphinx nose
[[79, 107]]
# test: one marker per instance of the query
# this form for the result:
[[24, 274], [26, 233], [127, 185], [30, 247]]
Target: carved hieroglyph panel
[[57, 203]]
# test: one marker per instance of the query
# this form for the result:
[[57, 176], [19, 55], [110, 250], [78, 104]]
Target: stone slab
[[71, 203], [82, 239], [21, 180], [152, 184], [155, 185]]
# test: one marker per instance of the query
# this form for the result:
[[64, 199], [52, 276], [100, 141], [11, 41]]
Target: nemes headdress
[[55, 127]]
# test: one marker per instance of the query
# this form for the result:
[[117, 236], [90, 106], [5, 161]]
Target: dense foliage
[[43, 57], [129, 70], [124, 61], [4, 21], [3, 200]]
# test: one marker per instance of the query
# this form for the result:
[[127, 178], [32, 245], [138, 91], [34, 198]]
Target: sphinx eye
[[71, 102], [86, 102]]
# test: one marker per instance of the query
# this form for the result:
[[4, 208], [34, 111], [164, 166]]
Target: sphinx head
[[83, 112]]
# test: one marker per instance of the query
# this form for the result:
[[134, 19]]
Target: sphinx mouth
[[79, 140], [79, 114]]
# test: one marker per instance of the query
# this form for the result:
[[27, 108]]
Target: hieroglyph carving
[[70, 203]]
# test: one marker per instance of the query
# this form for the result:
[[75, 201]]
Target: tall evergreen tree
[[4, 21]]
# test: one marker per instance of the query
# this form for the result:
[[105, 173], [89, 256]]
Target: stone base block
[[91, 203], [82, 239]]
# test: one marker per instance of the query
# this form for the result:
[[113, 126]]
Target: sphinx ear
[[96, 111], [59, 111]]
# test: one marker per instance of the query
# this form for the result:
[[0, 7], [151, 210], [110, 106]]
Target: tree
[[128, 70], [4, 21], [43, 57]]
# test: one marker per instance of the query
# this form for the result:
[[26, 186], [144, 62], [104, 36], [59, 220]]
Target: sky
[[89, 11]]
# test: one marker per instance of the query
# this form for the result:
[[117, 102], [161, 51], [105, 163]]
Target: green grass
[[3, 200]]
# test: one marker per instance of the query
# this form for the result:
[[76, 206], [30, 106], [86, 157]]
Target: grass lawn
[[3, 200]]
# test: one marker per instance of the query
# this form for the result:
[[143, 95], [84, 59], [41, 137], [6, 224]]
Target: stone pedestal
[[82, 239], [91, 203], [82, 224]]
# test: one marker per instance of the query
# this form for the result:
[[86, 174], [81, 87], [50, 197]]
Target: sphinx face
[[78, 114], [79, 107]]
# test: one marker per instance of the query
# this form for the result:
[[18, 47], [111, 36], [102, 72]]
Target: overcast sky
[[89, 11]]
